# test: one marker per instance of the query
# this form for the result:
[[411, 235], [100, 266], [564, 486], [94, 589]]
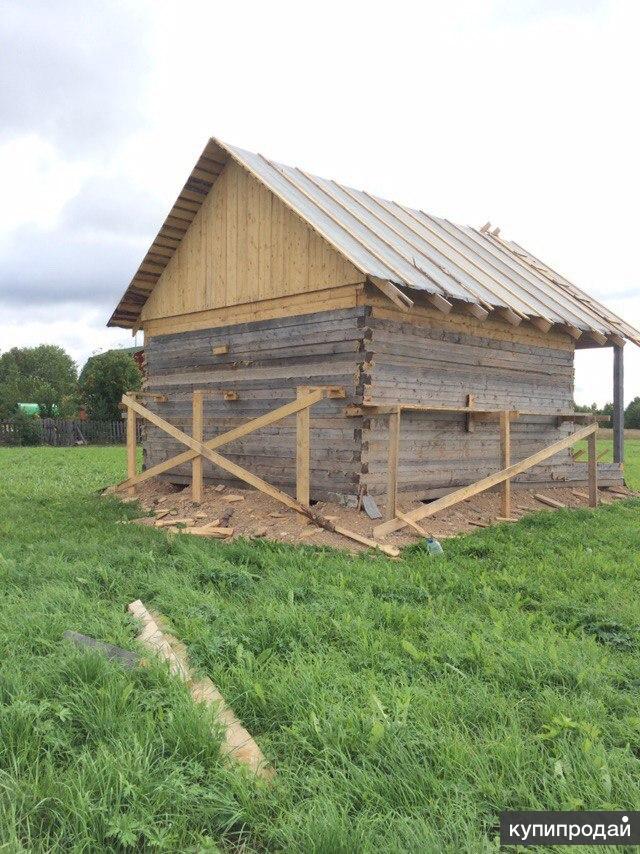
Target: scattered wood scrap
[[187, 521], [238, 743], [551, 502], [232, 499], [619, 490], [210, 531], [579, 494]]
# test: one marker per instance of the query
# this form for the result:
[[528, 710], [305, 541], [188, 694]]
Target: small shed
[[265, 279]]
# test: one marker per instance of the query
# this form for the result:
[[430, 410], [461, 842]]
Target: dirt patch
[[251, 514]]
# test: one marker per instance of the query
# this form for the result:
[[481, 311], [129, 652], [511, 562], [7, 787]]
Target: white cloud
[[516, 112]]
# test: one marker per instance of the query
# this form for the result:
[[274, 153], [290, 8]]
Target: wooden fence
[[65, 432]]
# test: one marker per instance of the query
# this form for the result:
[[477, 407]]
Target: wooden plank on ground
[[550, 502], [487, 482], [238, 743]]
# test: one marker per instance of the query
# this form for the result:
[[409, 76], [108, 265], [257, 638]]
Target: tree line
[[631, 413], [48, 376]]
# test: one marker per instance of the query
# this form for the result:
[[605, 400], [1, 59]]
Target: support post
[[131, 447], [197, 432], [302, 451], [505, 453], [392, 468], [618, 405], [592, 466]]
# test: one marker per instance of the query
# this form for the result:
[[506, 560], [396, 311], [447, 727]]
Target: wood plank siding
[[244, 246]]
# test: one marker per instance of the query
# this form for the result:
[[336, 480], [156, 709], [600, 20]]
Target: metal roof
[[388, 242]]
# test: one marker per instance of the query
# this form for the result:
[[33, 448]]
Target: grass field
[[404, 704]]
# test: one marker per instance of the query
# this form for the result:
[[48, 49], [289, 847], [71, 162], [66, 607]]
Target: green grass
[[404, 704], [631, 458]]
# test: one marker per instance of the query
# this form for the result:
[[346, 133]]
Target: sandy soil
[[257, 515]]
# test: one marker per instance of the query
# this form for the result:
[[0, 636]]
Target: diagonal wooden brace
[[231, 435], [491, 480], [250, 478]]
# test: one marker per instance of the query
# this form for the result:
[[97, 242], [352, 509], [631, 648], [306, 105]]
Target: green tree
[[45, 375], [103, 381], [632, 415]]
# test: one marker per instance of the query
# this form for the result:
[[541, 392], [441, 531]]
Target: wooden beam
[[302, 450], [486, 482], [541, 323], [505, 454], [510, 316], [439, 302], [397, 297], [392, 464], [592, 469], [198, 433], [618, 404], [230, 436], [616, 340], [475, 310], [571, 330], [131, 447], [598, 337]]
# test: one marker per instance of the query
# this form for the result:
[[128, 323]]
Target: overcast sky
[[523, 112]]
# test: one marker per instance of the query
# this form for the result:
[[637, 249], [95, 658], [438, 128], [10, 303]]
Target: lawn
[[404, 703]]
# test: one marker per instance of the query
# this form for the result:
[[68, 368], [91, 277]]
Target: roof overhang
[[400, 250]]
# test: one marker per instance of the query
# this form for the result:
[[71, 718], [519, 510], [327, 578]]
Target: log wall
[[265, 362], [441, 362], [380, 356]]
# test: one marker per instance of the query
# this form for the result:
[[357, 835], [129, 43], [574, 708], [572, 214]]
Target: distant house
[[264, 278]]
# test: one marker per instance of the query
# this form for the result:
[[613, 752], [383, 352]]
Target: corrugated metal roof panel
[[406, 247]]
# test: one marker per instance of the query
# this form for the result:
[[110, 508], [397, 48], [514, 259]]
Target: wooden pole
[[302, 451], [392, 466], [131, 447], [198, 433], [618, 405], [505, 452], [592, 465]]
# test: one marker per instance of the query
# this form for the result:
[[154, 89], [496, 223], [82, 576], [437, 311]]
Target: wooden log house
[[264, 279]]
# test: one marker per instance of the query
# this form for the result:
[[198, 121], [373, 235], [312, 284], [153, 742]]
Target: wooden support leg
[[392, 469], [505, 450], [302, 451], [131, 447], [198, 433], [592, 466]]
